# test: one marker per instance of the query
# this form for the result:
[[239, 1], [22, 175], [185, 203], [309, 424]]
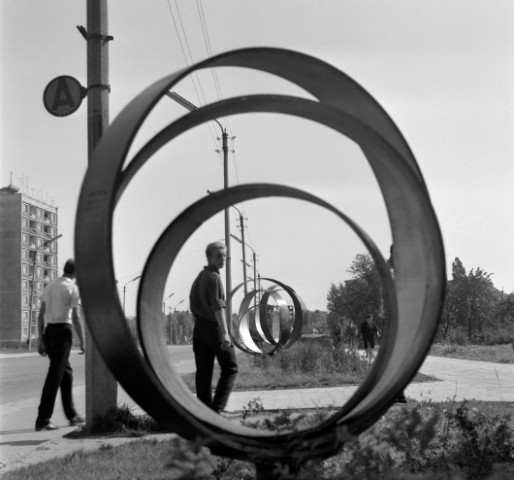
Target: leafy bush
[[427, 438], [310, 357], [122, 421]]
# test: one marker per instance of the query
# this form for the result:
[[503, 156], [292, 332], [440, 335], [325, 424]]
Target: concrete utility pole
[[228, 266], [101, 387], [224, 146]]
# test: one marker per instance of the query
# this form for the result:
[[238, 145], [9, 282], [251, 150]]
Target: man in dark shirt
[[210, 335], [368, 330]]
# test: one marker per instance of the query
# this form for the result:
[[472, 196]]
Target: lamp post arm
[[189, 106], [34, 260]]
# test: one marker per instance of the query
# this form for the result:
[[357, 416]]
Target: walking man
[[59, 304], [368, 330], [210, 334]]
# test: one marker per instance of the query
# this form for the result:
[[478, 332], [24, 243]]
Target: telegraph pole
[[101, 387], [224, 146], [228, 266]]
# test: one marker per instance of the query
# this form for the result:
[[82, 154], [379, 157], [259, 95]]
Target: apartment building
[[28, 261]]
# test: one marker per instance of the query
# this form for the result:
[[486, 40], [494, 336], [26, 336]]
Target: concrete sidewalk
[[20, 445]]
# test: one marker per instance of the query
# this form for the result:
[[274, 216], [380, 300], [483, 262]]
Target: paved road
[[22, 377]]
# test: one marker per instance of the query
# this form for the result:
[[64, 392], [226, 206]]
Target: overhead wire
[[188, 59], [208, 46]]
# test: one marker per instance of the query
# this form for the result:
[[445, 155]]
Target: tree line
[[474, 311]]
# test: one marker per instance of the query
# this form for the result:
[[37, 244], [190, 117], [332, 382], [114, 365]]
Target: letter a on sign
[[63, 96]]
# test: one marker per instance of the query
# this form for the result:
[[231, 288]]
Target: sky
[[443, 71]]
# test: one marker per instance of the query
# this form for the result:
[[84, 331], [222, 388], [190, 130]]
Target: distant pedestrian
[[211, 338], [352, 333], [368, 331], [59, 311]]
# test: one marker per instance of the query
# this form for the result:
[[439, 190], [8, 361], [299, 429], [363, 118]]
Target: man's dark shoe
[[46, 426], [76, 420]]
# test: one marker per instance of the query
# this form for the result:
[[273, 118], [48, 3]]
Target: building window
[[53, 217], [25, 316], [25, 269], [24, 254], [53, 247], [53, 274], [25, 300], [25, 239], [25, 208]]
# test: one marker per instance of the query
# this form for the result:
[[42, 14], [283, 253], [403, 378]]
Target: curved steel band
[[414, 299], [247, 331]]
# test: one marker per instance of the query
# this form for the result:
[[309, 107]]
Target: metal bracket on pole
[[93, 36], [101, 86]]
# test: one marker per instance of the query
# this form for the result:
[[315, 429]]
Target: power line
[[188, 61], [181, 45], [188, 58], [207, 41]]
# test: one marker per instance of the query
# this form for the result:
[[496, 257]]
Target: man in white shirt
[[59, 312]]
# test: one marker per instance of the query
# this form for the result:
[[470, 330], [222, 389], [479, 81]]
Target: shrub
[[428, 438], [310, 357]]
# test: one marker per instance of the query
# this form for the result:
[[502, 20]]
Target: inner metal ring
[[240, 330], [166, 250], [419, 255]]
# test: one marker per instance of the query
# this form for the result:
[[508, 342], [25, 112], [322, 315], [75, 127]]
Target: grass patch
[[421, 440], [304, 365], [481, 353], [122, 422]]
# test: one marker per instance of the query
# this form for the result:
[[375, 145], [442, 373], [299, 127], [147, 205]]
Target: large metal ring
[[415, 300]]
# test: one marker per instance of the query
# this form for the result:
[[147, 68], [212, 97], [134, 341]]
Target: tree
[[335, 304], [365, 290], [481, 303], [470, 302], [505, 310], [358, 296]]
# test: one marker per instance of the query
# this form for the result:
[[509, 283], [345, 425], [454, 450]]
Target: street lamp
[[175, 308], [124, 288], [32, 286], [242, 227], [164, 303], [244, 244], [224, 136]]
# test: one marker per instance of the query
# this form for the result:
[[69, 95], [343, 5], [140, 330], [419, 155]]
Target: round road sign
[[63, 96]]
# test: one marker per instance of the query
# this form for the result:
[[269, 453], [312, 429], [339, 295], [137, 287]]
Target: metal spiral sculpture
[[251, 328], [414, 298]]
